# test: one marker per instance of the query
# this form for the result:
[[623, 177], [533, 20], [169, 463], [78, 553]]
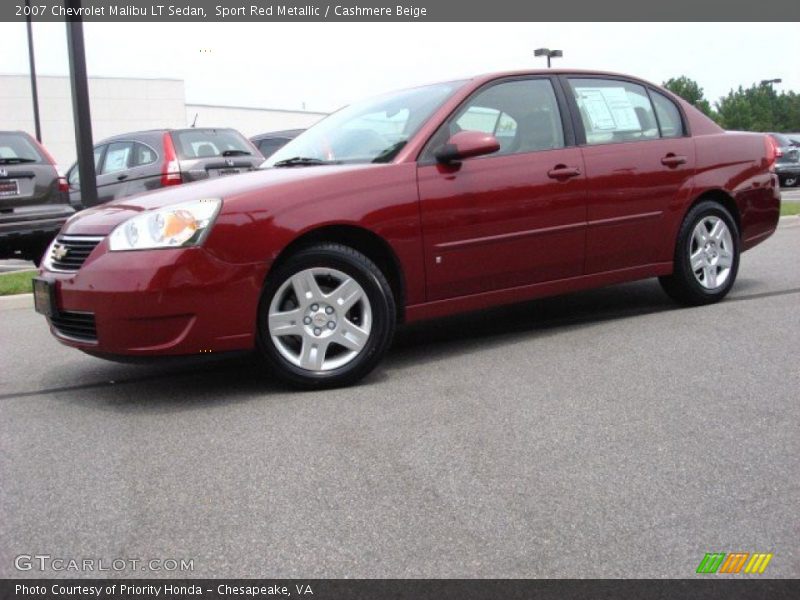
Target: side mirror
[[466, 144]]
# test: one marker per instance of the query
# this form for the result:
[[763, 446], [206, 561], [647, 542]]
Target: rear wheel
[[326, 318], [706, 256], [790, 181]]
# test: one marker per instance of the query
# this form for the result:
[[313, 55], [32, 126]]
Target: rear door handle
[[122, 177], [673, 160], [563, 172]]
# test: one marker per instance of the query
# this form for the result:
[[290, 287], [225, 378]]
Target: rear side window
[[614, 111], [117, 157], [17, 148], [143, 155], [669, 117], [208, 143]]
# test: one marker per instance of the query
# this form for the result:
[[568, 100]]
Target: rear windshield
[[17, 148], [781, 139], [208, 143]]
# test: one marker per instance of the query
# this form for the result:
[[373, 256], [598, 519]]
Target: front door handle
[[673, 160], [563, 172], [122, 177]]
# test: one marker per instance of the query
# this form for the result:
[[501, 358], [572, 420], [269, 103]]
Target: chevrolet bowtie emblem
[[59, 252]]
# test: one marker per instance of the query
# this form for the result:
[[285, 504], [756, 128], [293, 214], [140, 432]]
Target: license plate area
[[9, 187], [44, 297], [228, 171]]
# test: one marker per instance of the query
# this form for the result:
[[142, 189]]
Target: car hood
[[102, 219]]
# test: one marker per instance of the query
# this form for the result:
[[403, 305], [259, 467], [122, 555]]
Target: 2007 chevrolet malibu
[[417, 204]]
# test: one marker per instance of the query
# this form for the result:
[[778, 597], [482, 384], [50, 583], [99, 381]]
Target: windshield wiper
[[16, 161], [236, 153], [303, 161]]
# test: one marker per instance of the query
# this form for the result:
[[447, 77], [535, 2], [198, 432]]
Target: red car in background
[[417, 204]]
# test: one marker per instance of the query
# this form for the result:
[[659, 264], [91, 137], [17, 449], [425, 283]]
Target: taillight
[[171, 169], [773, 151], [63, 185]]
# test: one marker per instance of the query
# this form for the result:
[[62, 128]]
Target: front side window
[[523, 115], [374, 130], [614, 111]]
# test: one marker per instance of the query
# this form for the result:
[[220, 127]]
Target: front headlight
[[185, 224]]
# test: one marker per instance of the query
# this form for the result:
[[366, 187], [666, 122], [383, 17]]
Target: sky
[[323, 66]]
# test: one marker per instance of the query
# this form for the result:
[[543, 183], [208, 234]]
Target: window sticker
[[609, 109]]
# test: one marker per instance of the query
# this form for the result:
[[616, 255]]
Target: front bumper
[[160, 302]]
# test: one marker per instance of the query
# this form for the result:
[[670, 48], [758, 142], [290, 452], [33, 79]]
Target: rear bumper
[[161, 302], [34, 220], [787, 168]]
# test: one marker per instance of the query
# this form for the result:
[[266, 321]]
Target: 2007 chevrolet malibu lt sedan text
[[417, 204]]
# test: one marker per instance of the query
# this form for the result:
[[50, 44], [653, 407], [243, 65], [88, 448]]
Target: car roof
[[132, 135], [277, 134]]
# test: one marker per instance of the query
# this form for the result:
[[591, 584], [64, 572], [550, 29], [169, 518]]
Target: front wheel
[[326, 318], [706, 256], [790, 181]]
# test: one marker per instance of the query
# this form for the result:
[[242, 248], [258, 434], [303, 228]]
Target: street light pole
[[548, 53], [32, 63]]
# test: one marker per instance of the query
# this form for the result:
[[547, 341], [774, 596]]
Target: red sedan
[[417, 204]]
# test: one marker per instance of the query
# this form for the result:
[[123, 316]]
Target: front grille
[[71, 251], [75, 325]]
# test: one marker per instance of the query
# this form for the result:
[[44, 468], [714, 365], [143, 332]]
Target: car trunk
[[26, 184]]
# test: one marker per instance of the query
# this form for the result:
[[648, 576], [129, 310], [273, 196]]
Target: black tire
[[383, 315], [682, 285], [789, 181]]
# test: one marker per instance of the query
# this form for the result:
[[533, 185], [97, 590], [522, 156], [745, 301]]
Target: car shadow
[[195, 384], [495, 326]]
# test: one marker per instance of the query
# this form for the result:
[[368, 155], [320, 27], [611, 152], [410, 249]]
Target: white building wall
[[120, 105], [117, 106], [250, 121]]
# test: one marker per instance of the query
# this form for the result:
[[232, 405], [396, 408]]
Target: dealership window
[[522, 114], [669, 117], [117, 157], [614, 111]]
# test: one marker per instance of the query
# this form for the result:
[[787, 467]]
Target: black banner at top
[[397, 10]]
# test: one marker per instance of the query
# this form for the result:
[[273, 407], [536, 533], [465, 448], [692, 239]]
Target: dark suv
[[137, 162], [33, 197], [270, 143], [787, 164]]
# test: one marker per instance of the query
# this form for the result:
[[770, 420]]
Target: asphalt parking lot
[[602, 434]]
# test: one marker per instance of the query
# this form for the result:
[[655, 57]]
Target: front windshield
[[374, 130]]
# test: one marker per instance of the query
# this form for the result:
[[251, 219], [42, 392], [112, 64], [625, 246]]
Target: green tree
[[689, 90]]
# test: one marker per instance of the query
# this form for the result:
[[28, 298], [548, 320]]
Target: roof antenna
[[195, 119]]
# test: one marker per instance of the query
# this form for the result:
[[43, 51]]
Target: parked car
[[787, 164], [269, 143], [33, 197], [418, 204], [142, 161]]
